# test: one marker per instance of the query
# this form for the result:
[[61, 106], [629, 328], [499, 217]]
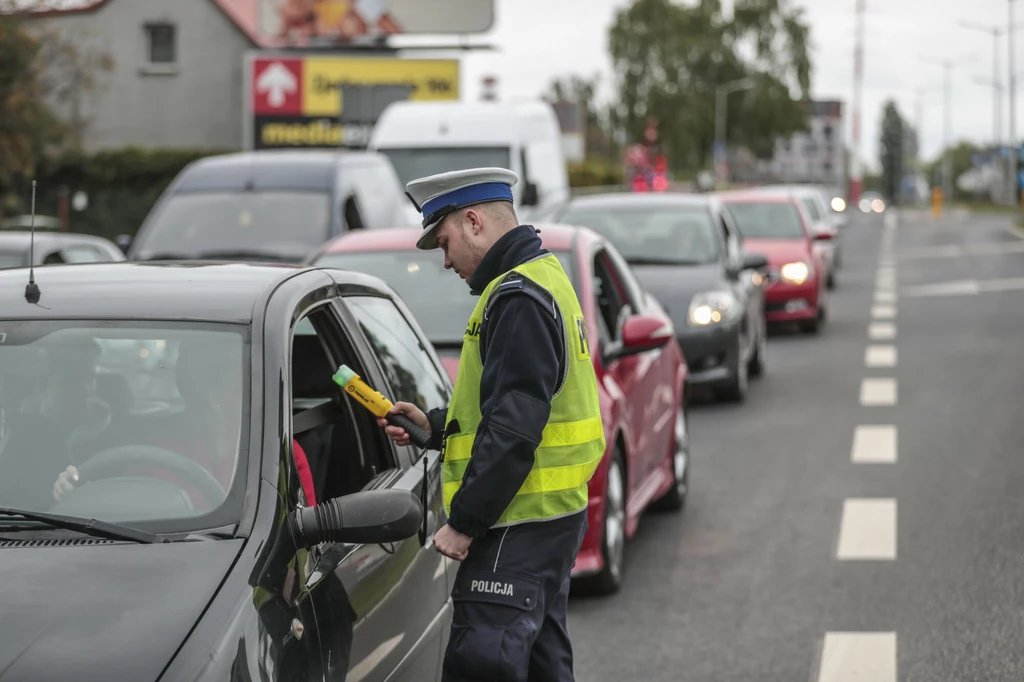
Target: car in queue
[[51, 248], [686, 251], [268, 205], [778, 227], [643, 381], [821, 221], [236, 516]]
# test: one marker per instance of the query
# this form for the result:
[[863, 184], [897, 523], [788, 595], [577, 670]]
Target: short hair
[[499, 210]]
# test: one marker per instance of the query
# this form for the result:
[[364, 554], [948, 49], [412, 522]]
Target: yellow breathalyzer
[[378, 404]]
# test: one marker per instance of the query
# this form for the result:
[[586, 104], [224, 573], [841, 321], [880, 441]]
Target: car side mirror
[[640, 333], [369, 517], [823, 236], [123, 241], [531, 196], [755, 261]]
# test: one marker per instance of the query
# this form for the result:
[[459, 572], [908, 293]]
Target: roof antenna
[[32, 289]]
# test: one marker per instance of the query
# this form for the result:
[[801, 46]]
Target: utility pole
[[1012, 77], [858, 82], [947, 155], [996, 83], [721, 94]]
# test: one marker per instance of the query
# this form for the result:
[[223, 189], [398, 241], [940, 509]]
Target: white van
[[424, 138]]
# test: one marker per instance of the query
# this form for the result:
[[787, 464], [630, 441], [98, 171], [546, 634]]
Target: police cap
[[438, 195]]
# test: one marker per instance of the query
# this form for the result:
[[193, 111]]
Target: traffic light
[[660, 180]]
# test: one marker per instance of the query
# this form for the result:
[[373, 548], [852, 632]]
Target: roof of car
[[202, 290], [642, 199], [757, 194], [554, 237], [21, 239], [275, 169]]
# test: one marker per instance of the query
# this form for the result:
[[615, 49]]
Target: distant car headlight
[[865, 205], [838, 204], [795, 273], [878, 205], [713, 307]]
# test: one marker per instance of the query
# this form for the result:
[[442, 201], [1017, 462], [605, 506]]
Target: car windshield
[[13, 259], [766, 220], [283, 225], [150, 415], [440, 300], [420, 162], [680, 234]]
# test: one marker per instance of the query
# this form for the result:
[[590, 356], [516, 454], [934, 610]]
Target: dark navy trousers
[[510, 597]]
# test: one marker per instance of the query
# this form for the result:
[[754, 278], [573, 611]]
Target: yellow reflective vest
[[573, 440]]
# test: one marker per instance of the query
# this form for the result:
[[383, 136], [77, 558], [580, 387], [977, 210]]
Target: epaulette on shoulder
[[516, 283]]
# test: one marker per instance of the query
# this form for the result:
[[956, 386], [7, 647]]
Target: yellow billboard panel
[[322, 78]]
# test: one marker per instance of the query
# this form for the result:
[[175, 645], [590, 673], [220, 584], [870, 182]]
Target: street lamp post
[[1013, 108], [721, 94], [947, 157]]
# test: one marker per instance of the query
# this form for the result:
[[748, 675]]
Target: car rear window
[[441, 301], [766, 220]]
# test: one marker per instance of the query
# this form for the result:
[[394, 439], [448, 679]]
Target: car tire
[[613, 535], [814, 326], [675, 499], [758, 361], [735, 390], [831, 282]]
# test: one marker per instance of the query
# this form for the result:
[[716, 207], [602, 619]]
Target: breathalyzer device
[[378, 404]]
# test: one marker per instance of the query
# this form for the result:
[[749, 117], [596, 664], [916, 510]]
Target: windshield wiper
[[241, 253], [663, 261], [93, 527], [170, 255]]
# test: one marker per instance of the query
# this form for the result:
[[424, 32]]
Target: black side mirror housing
[[368, 517], [531, 196], [123, 241], [755, 261]]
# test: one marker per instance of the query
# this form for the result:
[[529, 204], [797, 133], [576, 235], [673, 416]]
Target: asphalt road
[[812, 550]]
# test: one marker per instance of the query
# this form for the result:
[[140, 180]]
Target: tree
[[891, 151], [598, 135], [28, 128], [670, 59]]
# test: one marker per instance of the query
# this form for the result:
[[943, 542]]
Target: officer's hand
[[452, 543], [397, 433], [65, 483]]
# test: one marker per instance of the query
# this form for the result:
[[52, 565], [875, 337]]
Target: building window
[[161, 44]]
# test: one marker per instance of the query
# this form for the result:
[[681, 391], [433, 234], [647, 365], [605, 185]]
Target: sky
[[539, 40]]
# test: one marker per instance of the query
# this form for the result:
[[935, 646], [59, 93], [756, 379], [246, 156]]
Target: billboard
[[299, 100], [291, 23]]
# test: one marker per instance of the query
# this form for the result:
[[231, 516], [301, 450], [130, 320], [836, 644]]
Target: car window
[[380, 195], [81, 253], [767, 219], [622, 271], [812, 209], [408, 367], [164, 405], [609, 296], [280, 224], [663, 233], [346, 453], [418, 162]]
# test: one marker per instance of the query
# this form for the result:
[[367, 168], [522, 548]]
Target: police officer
[[520, 439]]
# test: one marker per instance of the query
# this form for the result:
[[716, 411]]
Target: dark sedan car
[[55, 247], [236, 517], [686, 251]]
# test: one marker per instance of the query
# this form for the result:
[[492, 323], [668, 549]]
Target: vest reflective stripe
[[572, 443]]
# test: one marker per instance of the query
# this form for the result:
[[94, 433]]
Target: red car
[[778, 227], [642, 377]]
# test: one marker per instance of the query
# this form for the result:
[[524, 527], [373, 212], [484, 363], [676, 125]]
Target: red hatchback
[[777, 227], [642, 377]]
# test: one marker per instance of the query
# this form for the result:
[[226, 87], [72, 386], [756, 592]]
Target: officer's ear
[[473, 220]]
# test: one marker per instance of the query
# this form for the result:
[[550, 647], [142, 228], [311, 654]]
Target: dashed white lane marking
[[858, 657], [875, 392], [883, 312], [954, 251], [880, 356], [885, 297], [881, 331], [868, 530], [874, 444]]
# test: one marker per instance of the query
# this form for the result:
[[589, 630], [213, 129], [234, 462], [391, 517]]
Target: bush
[[122, 185], [593, 172]]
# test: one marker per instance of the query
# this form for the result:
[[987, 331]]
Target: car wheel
[[757, 363], [814, 326], [736, 388], [831, 282], [675, 498], [613, 539]]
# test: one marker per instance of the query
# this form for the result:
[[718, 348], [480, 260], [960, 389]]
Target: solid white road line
[[980, 249], [883, 312], [868, 530], [881, 331], [874, 444], [880, 356], [965, 287], [875, 392], [885, 296], [858, 657]]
